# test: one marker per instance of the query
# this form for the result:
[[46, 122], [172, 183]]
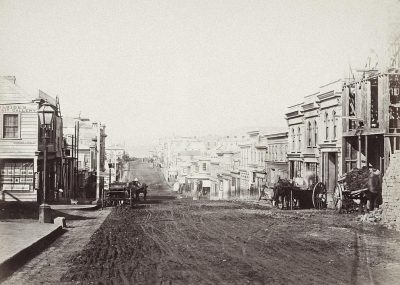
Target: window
[[352, 106], [17, 174], [315, 133], [293, 139], [299, 138], [326, 121], [334, 124], [309, 134], [204, 166], [10, 126]]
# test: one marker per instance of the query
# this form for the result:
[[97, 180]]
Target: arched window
[[315, 133], [326, 121], [299, 138], [309, 134], [334, 124]]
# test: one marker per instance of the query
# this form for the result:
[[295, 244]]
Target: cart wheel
[[319, 196], [338, 197]]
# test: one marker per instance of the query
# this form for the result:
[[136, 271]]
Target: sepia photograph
[[200, 142]]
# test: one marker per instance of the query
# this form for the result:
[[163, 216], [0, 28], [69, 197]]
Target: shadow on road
[[56, 213]]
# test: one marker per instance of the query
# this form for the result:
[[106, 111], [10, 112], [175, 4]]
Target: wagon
[[293, 196], [346, 199], [118, 193]]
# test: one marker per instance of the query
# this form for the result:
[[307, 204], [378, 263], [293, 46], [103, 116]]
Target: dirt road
[[51, 264], [180, 241]]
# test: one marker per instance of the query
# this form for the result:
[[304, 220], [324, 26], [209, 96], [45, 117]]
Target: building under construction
[[371, 120]]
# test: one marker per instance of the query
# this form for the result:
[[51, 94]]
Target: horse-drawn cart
[[289, 195], [117, 194], [346, 199], [124, 193], [355, 188]]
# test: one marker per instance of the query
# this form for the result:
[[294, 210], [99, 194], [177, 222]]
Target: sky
[[152, 68]]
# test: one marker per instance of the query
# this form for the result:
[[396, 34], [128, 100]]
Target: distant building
[[114, 155], [84, 133], [276, 159], [248, 164]]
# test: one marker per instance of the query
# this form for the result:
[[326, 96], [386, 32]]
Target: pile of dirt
[[357, 178], [372, 217]]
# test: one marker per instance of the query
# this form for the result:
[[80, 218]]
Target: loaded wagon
[[355, 188], [117, 194]]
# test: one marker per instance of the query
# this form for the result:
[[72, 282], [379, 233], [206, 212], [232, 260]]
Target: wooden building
[[248, 164], [21, 149], [371, 122]]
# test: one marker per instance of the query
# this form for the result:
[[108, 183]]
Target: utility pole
[[98, 161], [72, 166], [75, 162]]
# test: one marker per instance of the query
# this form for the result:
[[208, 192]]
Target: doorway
[[330, 170]]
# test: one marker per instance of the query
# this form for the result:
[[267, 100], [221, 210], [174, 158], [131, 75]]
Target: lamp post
[[45, 114], [110, 165]]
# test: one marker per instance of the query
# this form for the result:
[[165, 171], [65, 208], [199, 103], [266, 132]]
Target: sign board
[[18, 108]]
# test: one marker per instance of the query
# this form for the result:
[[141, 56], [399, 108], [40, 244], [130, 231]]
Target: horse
[[282, 192], [137, 189]]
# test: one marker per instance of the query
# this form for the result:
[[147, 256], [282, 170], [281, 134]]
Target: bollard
[[60, 221]]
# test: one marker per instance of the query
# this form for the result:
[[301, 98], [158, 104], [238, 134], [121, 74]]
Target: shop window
[[16, 175], [10, 126]]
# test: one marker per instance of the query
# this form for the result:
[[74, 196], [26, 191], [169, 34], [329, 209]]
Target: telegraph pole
[[98, 162]]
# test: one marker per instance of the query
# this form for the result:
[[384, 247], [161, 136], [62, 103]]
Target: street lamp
[[46, 115], [110, 165]]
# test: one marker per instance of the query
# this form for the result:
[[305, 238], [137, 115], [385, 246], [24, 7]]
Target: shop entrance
[[330, 170]]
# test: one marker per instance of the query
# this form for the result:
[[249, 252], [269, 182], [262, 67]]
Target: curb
[[9, 266], [76, 207]]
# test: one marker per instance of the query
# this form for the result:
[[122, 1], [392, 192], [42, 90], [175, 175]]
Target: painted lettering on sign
[[18, 108]]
